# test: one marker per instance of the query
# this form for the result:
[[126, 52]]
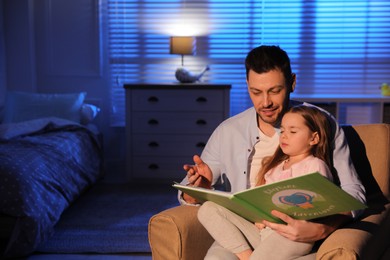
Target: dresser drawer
[[168, 145], [167, 124], [159, 168], [175, 122], [174, 100]]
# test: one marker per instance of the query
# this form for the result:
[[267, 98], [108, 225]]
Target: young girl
[[303, 148]]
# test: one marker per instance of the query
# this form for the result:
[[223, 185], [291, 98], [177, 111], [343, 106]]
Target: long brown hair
[[316, 121]]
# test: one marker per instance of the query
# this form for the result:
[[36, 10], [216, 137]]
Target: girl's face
[[296, 139]]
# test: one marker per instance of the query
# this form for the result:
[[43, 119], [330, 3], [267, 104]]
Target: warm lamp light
[[183, 45]]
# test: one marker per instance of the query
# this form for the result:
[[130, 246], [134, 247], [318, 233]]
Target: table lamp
[[185, 45]]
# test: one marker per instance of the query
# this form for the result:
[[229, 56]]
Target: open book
[[305, 197]]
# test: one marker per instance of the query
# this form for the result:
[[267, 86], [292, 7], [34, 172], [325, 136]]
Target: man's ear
[[294, 81], [315, 139]]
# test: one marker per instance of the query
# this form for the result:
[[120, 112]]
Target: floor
[[47, 256], [88, 257]]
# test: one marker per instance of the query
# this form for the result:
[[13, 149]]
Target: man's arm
[[346, 172], [349, 179]]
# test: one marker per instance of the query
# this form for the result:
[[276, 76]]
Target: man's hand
[[199, 175], [306, 231]]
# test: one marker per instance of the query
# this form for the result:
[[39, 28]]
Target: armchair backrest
[[373, 165]]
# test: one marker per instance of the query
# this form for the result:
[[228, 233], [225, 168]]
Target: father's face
[[269, 94]]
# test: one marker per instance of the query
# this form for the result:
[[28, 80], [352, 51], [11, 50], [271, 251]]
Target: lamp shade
[[184, 45]]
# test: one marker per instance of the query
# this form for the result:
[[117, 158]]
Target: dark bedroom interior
[[102, 102]]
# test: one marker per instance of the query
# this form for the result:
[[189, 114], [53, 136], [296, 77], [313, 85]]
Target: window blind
[[335, 47]]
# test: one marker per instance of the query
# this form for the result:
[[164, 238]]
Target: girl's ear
[[315, 139]]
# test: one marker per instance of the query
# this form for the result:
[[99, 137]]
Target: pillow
[[22, 106], [88, 113]]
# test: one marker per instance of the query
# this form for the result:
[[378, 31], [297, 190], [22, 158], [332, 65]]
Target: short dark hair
[[269, 57]]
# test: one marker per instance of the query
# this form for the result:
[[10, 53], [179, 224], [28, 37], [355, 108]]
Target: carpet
[[110, 218]]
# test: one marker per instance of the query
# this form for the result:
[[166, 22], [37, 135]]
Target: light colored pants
[[233, 234]]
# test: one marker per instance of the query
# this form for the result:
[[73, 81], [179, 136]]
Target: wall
[[2, 58], [57, 46]]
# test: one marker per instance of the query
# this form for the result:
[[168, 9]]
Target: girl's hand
[[259, 225]]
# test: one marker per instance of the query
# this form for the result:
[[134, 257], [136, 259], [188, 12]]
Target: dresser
[[166, 124]]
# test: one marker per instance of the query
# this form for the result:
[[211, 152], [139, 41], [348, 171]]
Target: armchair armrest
[[176, 233], [366, 238]]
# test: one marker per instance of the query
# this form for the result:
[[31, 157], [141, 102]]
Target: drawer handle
[[153, 144], [153, 99], [201, 122], [201, 100], [200, 145], [153, 166], [153, 122]]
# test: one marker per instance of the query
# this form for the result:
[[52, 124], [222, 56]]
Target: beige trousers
[[234, 234]]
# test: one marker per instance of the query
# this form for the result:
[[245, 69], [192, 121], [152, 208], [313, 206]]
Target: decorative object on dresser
[[185, 76], [385, 89], [166, 124]]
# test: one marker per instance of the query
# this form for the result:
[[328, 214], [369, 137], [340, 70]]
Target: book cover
[[305, 197]]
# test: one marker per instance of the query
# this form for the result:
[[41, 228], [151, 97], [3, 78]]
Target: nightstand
[[166, 124]]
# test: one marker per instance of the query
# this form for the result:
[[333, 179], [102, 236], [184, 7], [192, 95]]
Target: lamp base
[[185, 76]]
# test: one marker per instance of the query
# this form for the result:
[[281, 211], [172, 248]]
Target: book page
[[229, 201], [305, 197]]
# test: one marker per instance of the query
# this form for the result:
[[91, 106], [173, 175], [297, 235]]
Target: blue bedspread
[[45, 165]]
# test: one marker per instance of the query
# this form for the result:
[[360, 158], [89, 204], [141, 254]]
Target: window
[[337, 47]]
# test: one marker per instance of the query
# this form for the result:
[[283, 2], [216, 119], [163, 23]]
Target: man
[[233, 154]]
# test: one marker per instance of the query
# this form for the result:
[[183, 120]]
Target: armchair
[[176, 233]]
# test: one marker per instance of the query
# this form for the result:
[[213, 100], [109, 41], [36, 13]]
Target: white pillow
[[23, 106]]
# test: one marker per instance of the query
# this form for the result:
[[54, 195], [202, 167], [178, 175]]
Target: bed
[[48, 158]]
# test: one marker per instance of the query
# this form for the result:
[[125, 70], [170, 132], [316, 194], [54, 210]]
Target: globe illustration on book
[[295, 198], [299, 199]]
